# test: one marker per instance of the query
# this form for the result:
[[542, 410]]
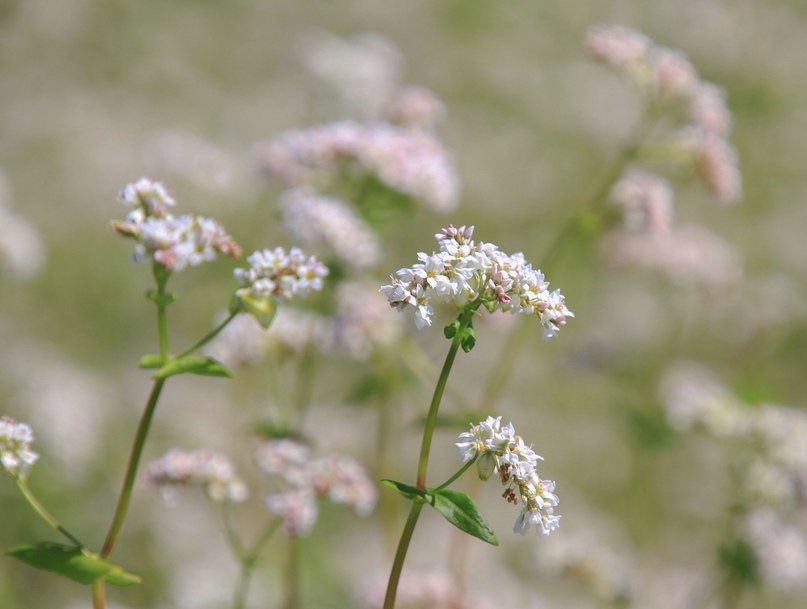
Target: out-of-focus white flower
[[362, 321], [463, 272], [245, 342], [209, 470], [329, 224], [422, 590], [499, 450], [359, 74], [339, 478], [410, 161], [174, 242], [22, 252], [646, 200], [674, 77], [709, 111], [297, 507], [686, 255], [617, 45], [782, 432], [692, 395], [16, 455], [780, 548], [588, 561], [415, 108], [715, 162]]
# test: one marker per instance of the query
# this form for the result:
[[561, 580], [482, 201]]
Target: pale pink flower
[[415, 108], [674, 75], [646, 200], [211, 471], [617, 45]]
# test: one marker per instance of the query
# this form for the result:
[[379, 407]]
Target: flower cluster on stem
[[176, 242], [499, 450], [464, 273], [16, 456]]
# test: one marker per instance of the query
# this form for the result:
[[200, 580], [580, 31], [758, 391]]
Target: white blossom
[[209, 470], [499, 450], [16, 455], [462, 272]]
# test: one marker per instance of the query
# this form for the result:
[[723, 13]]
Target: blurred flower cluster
[[22, 253], [769, 464]]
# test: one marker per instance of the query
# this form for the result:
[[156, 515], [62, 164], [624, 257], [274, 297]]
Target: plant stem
[[206, 339], [98, 594], [292, 580], [161, 278], [131, 470], [247, 558], [431, 418], [400, 555], [461, 471], [43, 513], [423, 462]]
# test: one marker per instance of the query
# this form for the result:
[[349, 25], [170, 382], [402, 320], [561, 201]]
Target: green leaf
[[410, 492], [74, 563], [263, 308], [450, 331], [468, 339], [161, 299], [150, 361], [193, 364], [460, 510]]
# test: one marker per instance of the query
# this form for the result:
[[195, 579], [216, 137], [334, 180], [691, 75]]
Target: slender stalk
[[292, 580], [247, 558], [431, 418], [131, 470], [423, 461], [400, 555], [98, 594], [43, 513], [210, 336], [161, 300], [461, 471]]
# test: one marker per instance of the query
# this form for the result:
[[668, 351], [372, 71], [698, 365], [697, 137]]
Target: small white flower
[[16, 455], [206, 469]]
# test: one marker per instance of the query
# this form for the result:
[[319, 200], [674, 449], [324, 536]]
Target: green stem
[[247, 558], [431, 419], [461, 471], [423, 462], [43, 513], [131, 470], [210, 336], [161, 278], [400, 555], [292, 579], [98, 594]]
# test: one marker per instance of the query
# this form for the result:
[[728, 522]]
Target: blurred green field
[[94, 94]]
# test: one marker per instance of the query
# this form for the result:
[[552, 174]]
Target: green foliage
[[74, 563]]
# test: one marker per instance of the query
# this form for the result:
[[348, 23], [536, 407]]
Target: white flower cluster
[[327, 223], [464, 274], [22, 253], [410, 161], [771, 462], [669, 81], [339, 478], [209, 470], [16, 455], [498, 449], [175, 242], [279, 275], [646, 200]]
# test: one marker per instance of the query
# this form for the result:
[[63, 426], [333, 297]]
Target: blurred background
[[94, 94]]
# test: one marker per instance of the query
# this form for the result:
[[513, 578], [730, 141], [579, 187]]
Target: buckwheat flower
[[410, 161], [297, 507], [22, 252], [286, 458], [768, 483], [174, 242], [619, 46], [693, 396], [147, 198], [277, 276], [686, 256], [782, 433], [463, 273], [211, 471], [362, 323], [415, 108], [329, 224], [589, 561], [674, 76], [499, 450], [708, 109], [360, 73], [715, 162], [344, 481], [780, 548], [646, 200], [16, 455]]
